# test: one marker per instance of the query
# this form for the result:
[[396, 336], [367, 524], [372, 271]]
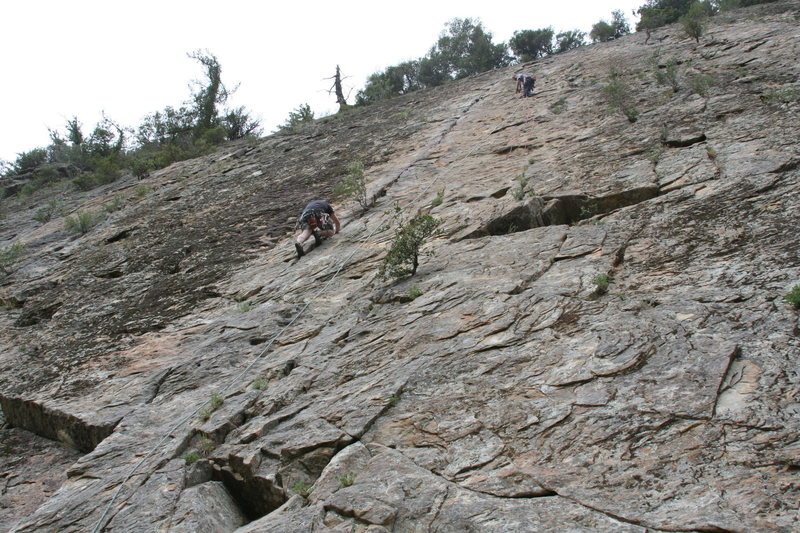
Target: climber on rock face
[[318, 219], [525, 84]]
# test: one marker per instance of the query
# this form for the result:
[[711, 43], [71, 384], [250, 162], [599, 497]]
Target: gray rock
[[508, 393]]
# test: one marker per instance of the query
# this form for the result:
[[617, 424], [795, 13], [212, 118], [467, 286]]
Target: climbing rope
[[101, 522]]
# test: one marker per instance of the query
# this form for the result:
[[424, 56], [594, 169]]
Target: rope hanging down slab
[[236, 379]]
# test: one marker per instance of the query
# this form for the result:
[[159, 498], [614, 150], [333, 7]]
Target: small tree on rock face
[[618, 95], [695, 20], [354, 185], [403, 257]]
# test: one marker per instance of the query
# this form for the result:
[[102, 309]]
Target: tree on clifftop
[[528, 45], [462, 50], [604, 31], [210, 93]]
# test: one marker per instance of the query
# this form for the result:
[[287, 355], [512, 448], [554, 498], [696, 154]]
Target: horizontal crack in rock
[[55, 425]]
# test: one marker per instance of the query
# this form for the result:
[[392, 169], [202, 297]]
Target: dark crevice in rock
[[557, 210], [502, 192], [685, 141], [110, 274], [158, 381], [33, 315], [258, 494], [533, 494], [505, 127], [124, 234], [255, 496], [55, 425], [503, 150], [788, 166]]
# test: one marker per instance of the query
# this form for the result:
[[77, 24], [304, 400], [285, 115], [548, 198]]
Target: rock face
[[200, 378]]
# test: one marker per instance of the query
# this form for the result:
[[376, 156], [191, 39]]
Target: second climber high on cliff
[[317, 219]]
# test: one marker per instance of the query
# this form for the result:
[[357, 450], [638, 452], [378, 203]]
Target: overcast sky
[[83, 57]]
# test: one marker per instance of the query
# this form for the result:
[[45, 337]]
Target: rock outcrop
[[198, 377]]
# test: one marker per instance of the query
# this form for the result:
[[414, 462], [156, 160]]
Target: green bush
[[260, 384], [667, 74], [436, 202], [302, 488], [568, 40], [28, 161], [601, 282], [618, 95], [191, 458], [9, 255], [518, 191], [216, 401], [414, 292], [603, 31], [243, 307], [403, 257], [141, 164], [782, 95], [44, 214], [559, 106], [106, 170], [354, 185], [301, 116], [214, 136], [206, 445], [701, 83], [793, 297], [141, 191], [347, 479], [82, 222], [114, 205]]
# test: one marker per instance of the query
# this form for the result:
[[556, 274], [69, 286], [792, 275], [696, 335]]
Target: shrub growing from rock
[[354, 185], [403, 257], [601, 283], [793, 297], [9, 255], [82, 222], [618, 95]]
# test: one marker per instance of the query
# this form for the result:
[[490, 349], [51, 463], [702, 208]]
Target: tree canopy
[[528, 45], [604, 31], [463, 49]]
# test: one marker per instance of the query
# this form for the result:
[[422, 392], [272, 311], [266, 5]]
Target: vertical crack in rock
[[726, 378]]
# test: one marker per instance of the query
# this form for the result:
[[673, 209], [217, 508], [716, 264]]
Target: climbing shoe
[[317, 238], [299, 248]]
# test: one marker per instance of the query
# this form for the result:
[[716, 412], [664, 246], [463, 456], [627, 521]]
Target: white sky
[[83, 57]]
